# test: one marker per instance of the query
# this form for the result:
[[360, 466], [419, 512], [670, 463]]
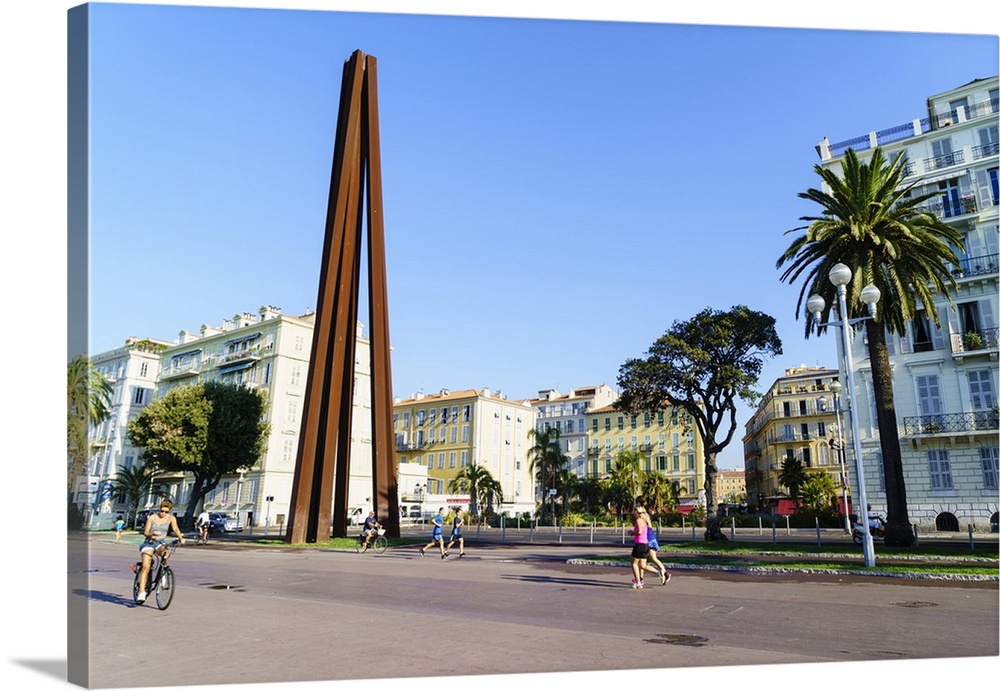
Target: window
[[939, 468], [465, 433], [299, 343], [607, 424], [807, 457], [621, 422], [142, 395], [691, 464], [440, 460], [824, 454], [929, 394], [454, 434], [451, 460], [293, 411], [981, 390], [594, 425], [406, 419], [821, 429], [421, 417], [296, 375], [144, 369], [465, 458], [988, 459]]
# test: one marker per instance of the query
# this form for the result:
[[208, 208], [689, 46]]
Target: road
[[275, 614]]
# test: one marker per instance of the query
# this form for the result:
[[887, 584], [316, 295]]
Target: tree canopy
[[209, 430], [88, 404], [703, 365]]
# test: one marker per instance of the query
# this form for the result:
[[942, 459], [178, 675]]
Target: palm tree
[[490, 491], [872, 222], [88, 404], [590, 492], [546, 458], [627, 471], [793, 475], [135, 484], [660, 492], [468, 480]]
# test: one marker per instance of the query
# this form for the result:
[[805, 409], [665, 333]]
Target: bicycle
[[159, 580], [376, 542]]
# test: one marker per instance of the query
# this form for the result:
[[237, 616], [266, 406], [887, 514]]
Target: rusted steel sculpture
[[323, 465]]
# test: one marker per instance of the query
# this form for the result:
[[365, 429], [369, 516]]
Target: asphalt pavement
[[306, 614]]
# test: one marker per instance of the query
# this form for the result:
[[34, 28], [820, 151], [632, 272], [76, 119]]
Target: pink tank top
[[641, 536]]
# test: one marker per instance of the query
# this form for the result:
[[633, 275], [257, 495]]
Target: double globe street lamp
[[840, 276]]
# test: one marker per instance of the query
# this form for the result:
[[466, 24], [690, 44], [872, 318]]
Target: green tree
[[546, 459], [136, 484], [88, 405], [627, 472], [590, 494], [792, 475], [469, 480], [818, 492], [873, 223], [209, 430], [662, 494], [703, 365], [490, 493]]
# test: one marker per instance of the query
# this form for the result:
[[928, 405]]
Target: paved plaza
[[278, 614]]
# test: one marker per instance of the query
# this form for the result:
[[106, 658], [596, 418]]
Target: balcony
[[183, 370], [978, 266], [915, 128], [984, 150], [972, 341], [951, 423], [956, 158]]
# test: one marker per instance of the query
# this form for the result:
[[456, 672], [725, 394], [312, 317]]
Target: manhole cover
[[721, 609], [226, 587], [915, 604], [678, 639]]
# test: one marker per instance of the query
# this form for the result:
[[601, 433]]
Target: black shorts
[[640, 550], [455, 534]]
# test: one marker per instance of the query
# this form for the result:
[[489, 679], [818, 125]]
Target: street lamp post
[[840, 276], [838, 445]]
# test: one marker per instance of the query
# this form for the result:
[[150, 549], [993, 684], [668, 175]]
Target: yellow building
[[447, 431], [730, 486], [667, 439], [795, 419]]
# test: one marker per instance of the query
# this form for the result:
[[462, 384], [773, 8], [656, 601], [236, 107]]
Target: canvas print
[[675, 353]]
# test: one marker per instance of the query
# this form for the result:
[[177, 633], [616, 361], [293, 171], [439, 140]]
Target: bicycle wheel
[[380, 544], [135, 584], [357, 545], [165, 588]]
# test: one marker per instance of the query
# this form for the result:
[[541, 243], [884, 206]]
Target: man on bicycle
[[155, 532], [202, 524], [369, 530]]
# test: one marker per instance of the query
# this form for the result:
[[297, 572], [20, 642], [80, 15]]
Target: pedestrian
[[119, 526], [456, 534], [654, 547], [437, 537], [640, 546]]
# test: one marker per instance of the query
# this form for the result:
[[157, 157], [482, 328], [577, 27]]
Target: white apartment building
[[944, 379], [448, 430], [269, 350], [566, 413], [132, 371]]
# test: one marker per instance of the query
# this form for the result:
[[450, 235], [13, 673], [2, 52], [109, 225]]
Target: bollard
[[819, 540], [692, 531], [972, 544], [503, 528], [788, 526], [774, 533], [760, 525], [592, 532], [560, 533], [916, 537], [531, 531], [732, 529]]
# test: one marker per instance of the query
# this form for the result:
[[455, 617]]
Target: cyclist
[[369, 530], [202, 524], [155, 532]]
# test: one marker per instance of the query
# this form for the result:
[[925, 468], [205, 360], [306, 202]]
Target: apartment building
[[730, 486], [268, 350], [667, 439], [449, 430], [944, 378], [796, 418], [132, 371], [566, 413]]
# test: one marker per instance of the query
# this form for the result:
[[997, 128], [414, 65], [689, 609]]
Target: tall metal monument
[[323, 465]]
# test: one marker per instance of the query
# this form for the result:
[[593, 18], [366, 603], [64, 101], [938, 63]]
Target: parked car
[[222, 522]]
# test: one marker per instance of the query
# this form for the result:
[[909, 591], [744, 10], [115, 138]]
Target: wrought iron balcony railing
[[951, 423], [970, 341]]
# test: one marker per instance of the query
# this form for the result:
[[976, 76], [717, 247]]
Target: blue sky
[[644, 192], [557, 193]]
